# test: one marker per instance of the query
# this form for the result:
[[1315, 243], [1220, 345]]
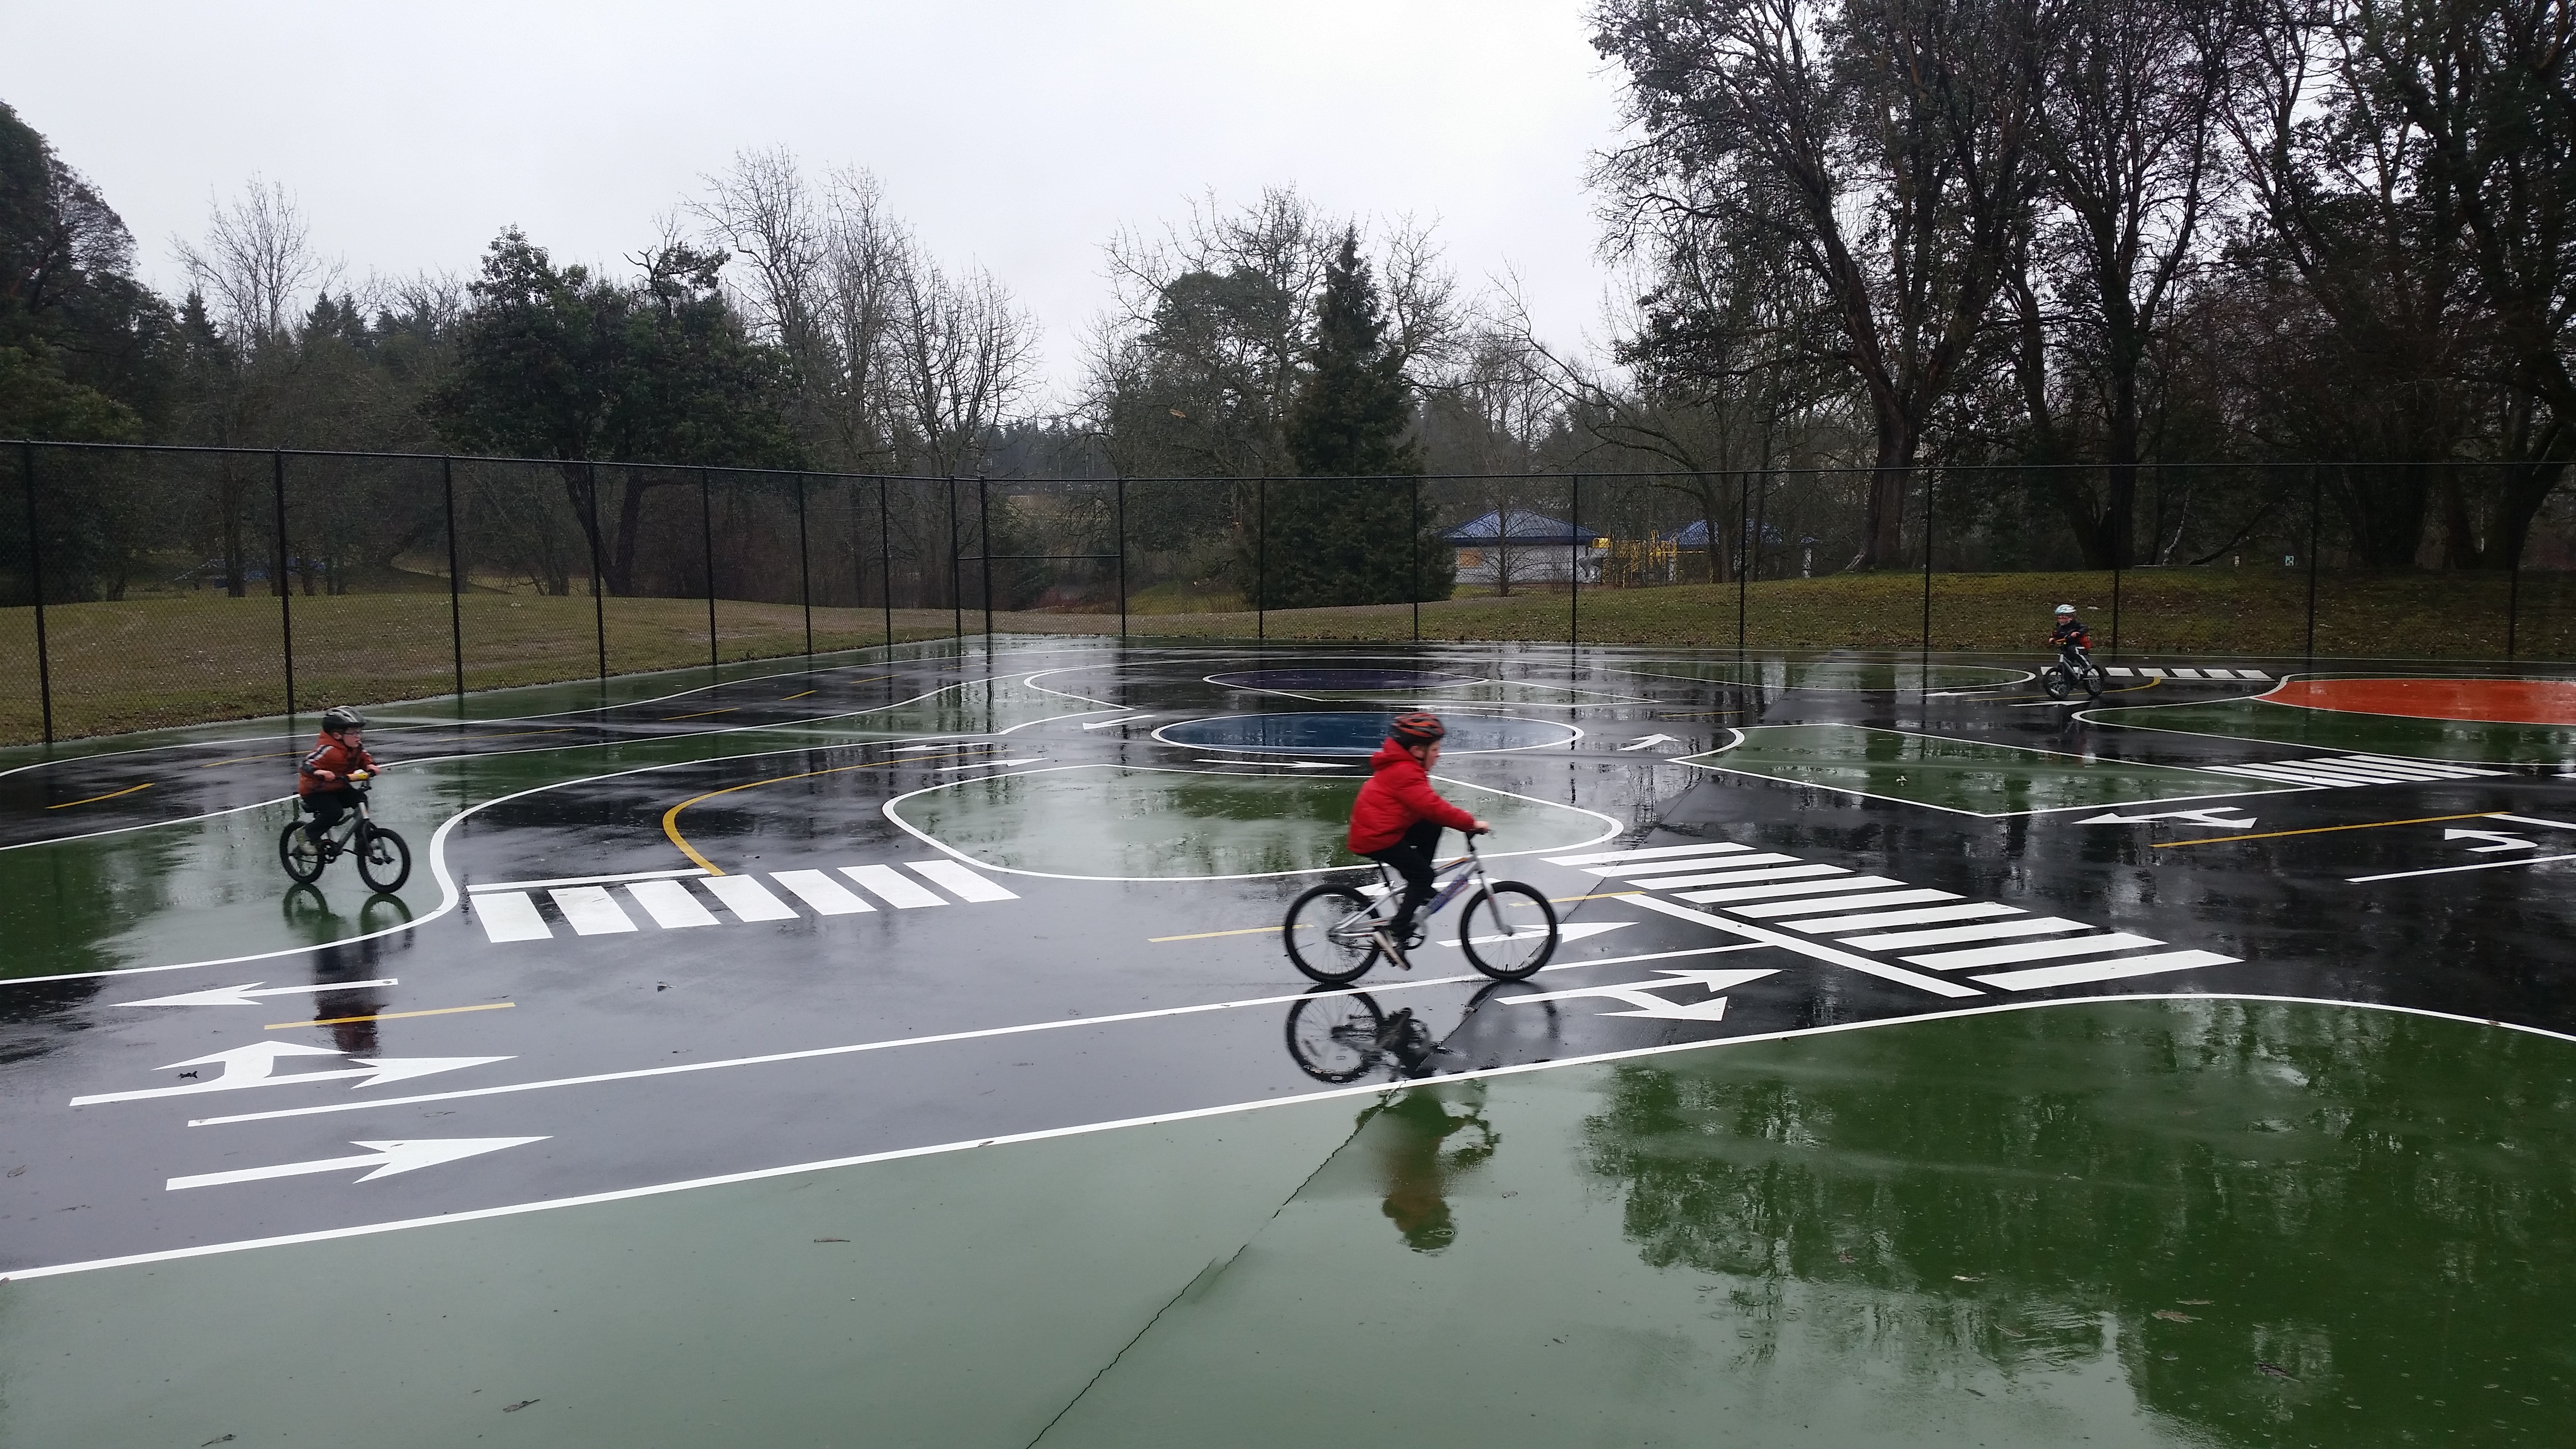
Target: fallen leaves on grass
[[2171, 1316]]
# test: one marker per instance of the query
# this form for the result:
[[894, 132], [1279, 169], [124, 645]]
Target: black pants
[[1411, 859], [327, 807]]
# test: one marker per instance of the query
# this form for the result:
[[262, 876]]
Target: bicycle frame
[[1467, 870]]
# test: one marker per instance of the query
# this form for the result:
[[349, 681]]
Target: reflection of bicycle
[[1337, 932], [1342, 1036], [384, 861], [2073, 670]]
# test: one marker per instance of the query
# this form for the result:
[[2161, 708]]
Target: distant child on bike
[[322, 781], [1398, 818]]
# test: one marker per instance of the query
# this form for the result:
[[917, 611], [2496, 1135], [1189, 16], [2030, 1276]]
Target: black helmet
[[1418, 729], [339, 719]]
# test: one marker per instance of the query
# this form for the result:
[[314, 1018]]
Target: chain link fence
[[145, 586]]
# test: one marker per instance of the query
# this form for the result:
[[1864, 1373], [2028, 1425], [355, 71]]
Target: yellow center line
[[671, 817], [2323, 829], [701, 714], [1265, 930], [809, 694], [388, 1016], [94, 799]]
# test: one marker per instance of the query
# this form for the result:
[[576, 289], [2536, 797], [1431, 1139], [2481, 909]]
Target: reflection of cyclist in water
[[1408, 1135]]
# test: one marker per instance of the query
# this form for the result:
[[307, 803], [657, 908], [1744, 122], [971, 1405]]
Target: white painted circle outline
[[1160, 739]]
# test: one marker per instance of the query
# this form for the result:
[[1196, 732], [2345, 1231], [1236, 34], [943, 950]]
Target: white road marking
[[387, 1158], [670, 905], [2499, 840], [1649, 742], [255, 1065], [1785, 872], [1853, 884], [1655, 869], [1654, 852], [2455, 869], [1770, 909], [2043, 977], [2528, 820], [961, 882], [1714, 981], [748, 899], [590, 911], [1813, 949], [2181, 673], [893, 887], [988, 764], [1954, 935], [248, 993], [2031, 951], [827, 896], [509, 916], [2219, 816], [1976, 911], [1570, 931], [575, 880]]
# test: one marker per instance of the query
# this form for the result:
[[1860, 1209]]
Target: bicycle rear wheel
[[1508, 931], [1334, 1038], [1321, 944], [384, 861], [301, 857]]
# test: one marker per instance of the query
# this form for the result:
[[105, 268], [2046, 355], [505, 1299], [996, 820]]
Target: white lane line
[[576, 880], [748, 899], [2121, 671], [2031, 951], [2292, 775], [2378, 774], [1849, 885], [670, 905], [2153, 673], [1978, 911], [827, 896], [987, 764], [2455, 869], [1785, 872], [893, 887], [2042, 977], [2424, 764], [2398, 772], [1956, 935], [1660, 869], [1816, 950], [1656, 852], [510, 916], [2529, 820], [590, 910], [962, 883], [1771, 909], [2181, 673]]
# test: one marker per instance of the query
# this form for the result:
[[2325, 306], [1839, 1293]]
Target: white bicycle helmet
[[2064, 609]]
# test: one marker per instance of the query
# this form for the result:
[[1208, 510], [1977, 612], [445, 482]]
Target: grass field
[[158, 662]]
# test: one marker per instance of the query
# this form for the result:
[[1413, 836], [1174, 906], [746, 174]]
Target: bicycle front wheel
[[384, 862], [1508, 931], [1334, 1038], [1328, 934], [301, 857], [2053, 679]]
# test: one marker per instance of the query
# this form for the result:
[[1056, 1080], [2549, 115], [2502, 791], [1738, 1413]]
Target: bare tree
[[964, 355], [256, 265]]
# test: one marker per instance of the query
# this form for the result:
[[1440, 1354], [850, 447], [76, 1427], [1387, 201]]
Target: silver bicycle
[[1337, 932]]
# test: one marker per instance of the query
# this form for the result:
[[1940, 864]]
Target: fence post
[[956, 590], [804, 571], [1261, 562], [1413, 515], [598, 610], [707, 557], [1927, 572], [2512, 593], [1743, 552], [36, 577], [2316, 494], [455, 578], [1574, 570], [984, 553], [285, 589], [1122, 555], [885, 560]]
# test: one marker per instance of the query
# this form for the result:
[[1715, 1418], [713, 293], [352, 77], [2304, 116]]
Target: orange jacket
[[329, 753], [1397, 794]]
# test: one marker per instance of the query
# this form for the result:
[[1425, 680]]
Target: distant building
[[1510, 548]]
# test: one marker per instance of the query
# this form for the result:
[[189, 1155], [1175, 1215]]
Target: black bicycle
[[1337, 932], [384, 861], [2073, 670]]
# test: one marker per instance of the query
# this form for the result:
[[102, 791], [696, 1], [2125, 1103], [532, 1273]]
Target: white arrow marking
[[387, 1158], [2217, 816], [2502, 840], [256, 1066], [1575, 932], [1313, 765], [1640, 994], [1111, 724], [1649, 742], [245, 995]]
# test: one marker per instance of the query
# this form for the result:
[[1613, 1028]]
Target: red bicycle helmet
[[1418, 729]]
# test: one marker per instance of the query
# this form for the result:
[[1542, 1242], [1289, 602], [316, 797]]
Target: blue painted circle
[[1338, 679], [1335, 732]]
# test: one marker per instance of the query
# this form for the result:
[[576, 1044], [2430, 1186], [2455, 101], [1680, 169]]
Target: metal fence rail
[[146, 585]]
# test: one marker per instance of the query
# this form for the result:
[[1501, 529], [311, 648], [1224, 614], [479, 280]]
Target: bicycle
[[1507, 929], [384, 860], [2073, 667]]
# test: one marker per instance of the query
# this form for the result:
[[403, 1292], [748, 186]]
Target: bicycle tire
[[2053, 679], [2093, 681], [1509, 921], [1320, 957], [302, 859], [1333, 1039], [372, 859]]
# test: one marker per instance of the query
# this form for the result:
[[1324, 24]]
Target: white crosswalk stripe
[[592, 907], [2342, 772], [2177, 672]]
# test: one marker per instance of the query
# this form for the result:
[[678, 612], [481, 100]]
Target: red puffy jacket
[[1397, 794]]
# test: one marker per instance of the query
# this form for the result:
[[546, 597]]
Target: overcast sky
[[1019, 135]]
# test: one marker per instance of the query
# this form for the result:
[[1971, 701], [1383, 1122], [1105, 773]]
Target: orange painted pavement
[[2494, 701]]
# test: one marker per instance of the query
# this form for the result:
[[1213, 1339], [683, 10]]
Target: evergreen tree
[[1357, 542]]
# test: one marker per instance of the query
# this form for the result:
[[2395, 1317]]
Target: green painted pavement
[[1963, 775], [2467, 741], [2089, 1223], [1120, 823]]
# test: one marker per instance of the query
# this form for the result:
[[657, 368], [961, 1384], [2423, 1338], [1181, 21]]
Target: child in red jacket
[[1398, 818], [322, 781]]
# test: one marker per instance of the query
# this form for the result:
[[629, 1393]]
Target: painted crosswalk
[[511, 911], [2123, 671], [2343, 772], [1870, 918]]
